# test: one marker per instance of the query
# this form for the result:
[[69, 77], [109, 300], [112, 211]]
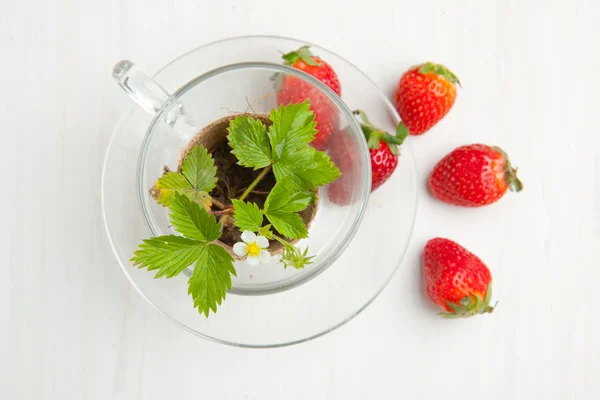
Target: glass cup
[[235, 89], [367, 250]]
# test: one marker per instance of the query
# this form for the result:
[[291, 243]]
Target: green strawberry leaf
[[306, 168], [282, 205], [172, 254], [196, 180], [169, 184], [211, 278], [169, 254], [172, 183], [249, 141], [293, 127], [199, 169], [247, 216], [192, 221], [288, 197], [288, 224]]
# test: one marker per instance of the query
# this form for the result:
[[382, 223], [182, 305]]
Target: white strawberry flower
[[253, 248]]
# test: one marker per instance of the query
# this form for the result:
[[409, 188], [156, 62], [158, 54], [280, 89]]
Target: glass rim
[[276, 68]]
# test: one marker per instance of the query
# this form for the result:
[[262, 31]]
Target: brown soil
[[234, 179]]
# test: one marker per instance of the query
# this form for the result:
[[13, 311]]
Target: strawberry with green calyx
[[456, 279], [383, 149], [474, 176], [304, 60], [291, 89], [424, 95]]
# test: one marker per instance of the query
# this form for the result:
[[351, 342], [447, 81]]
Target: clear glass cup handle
[[149, 95]]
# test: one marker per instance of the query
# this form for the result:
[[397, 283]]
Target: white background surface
[[71, 325]]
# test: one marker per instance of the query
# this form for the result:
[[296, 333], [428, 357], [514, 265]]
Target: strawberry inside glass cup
[[294, 89]]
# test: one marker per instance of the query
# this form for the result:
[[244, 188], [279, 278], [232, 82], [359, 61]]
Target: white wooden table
[[71, 325]]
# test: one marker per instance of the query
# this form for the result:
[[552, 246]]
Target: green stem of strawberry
[[439, 69], [363, 116], [402, 131], [471, 305], [260, 176], [510, 173], [283, 241], [375, 135], [303, 53], [514, 183]]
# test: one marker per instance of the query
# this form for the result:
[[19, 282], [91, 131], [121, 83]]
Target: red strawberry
[[341, 151], [304, 60], [456, 279], [295, 90], [473, 176], [384, 161], [424, 96], [383, 149]]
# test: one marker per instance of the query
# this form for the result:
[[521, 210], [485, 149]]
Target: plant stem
[[218, 204], [362, 115], [282, 240], [227, 211], [223, 219], [263, 173]]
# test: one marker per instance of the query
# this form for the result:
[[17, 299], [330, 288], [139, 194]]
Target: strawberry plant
[[280, 150]]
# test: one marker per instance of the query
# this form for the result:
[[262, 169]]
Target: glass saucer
[[280, 318]]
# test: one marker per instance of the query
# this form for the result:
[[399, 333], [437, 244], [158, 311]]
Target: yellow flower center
[[253, 249]]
